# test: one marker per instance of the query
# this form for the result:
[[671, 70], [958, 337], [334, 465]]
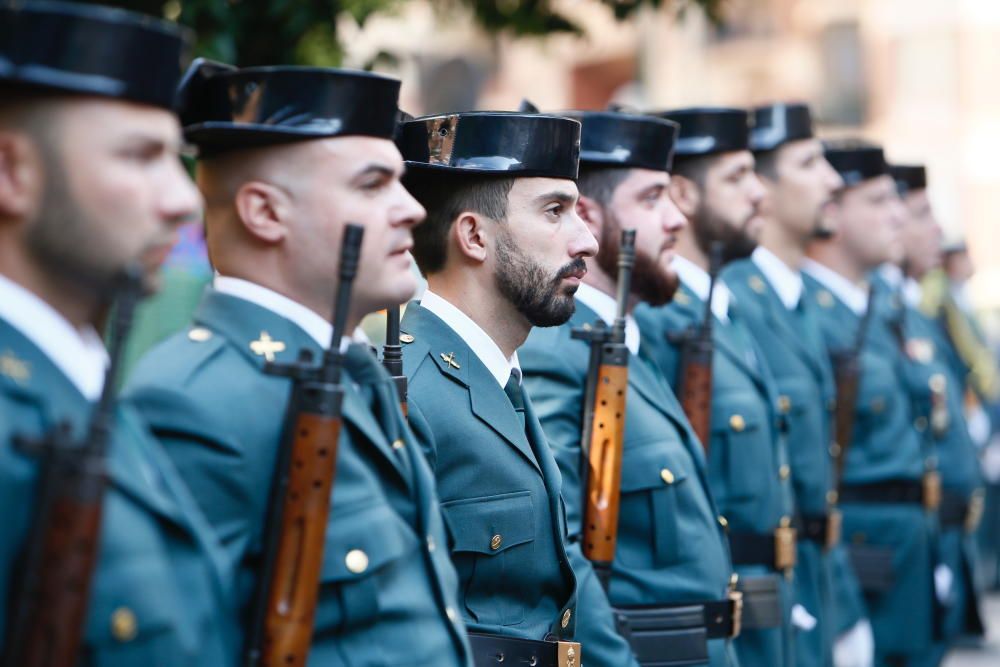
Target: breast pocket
[[876, 401], [363, 549], [493, 549], [648, 534], [137, 617], [741, 435]]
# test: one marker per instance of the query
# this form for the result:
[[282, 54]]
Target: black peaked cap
[[709, 130], [855, 160], [778, 124], [91, 50], [614, 138]]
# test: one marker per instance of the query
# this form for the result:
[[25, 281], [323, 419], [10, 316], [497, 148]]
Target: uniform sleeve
[[422, 433], [849, 605], [595, 624], [556, 391]]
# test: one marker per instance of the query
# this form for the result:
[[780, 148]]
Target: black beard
[[527, 285], [736, 241], [651, 283]]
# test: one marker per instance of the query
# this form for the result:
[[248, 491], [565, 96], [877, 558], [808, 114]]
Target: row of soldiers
[[545, 498]]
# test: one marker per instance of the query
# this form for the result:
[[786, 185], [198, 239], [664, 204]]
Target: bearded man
[[715, 187], [671, 572], [503, 251]]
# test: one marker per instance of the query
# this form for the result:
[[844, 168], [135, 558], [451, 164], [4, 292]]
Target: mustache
[[576, 267]]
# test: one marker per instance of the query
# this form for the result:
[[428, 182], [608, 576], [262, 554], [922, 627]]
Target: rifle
[[694, 373], [847, 377], [50, 606], [604, 422], [299, 503], [392, 355]]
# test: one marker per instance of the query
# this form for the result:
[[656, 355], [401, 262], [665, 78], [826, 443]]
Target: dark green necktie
[[516, 394]]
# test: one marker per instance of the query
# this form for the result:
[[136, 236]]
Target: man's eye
[[555, 210], [372, 185]]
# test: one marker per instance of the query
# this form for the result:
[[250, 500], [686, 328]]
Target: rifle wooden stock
[[603, 440], [694, 373], [49, 608], [287, 593]]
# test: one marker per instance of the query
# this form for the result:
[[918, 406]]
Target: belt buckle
[[975, 512], [784, 548], [736, 609], [932, 490], [569, 654], [834, 527]]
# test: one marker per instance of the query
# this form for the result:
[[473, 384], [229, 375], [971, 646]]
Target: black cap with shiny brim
[[778, 124], [855, 161], [224, 108], [91, 50], [709, 130], [493, 142], [618, 139], [909, 177]]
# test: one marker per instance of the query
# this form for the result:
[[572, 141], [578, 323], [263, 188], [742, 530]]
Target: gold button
[[495, 542], [937, 383], [565, 619], [667, 476], [398, 444], [450, 613], [834, 449], [724, 522], [920, 423], [431, 546], [199, 334], [784, 472], [784, 404], [737, 423], [123, 625], [406, 338], [756, 284], [785, 521], [832, 497], [357, 561]]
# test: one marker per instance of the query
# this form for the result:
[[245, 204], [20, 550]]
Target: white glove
[[943, 579], [802, 619], [856, 647], [991, 461], [978, 424]]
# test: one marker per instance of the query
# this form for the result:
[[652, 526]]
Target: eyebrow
[[376, 168], [558, 195]]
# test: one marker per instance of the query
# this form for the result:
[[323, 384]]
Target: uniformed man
[[800, 186], [888, 520], [288, 157], [503, 250], [671, 574], [90, 181], [937, 395], [714, 186]]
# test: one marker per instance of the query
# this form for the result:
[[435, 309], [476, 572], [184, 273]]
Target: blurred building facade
[[918, 76]]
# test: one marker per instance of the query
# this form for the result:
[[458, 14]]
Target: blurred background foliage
[[259, 32]]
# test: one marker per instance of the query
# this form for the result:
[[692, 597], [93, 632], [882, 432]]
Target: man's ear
[[263, 209], [471, 236], [592, 215], [21, 175], [685, 193]]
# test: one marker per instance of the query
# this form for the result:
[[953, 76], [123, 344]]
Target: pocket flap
[[651, 467], [735, 417], [491, 524], [130, 601], [360, 542]]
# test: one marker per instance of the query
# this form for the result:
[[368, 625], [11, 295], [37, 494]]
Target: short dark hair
[[693, 168], [766, 163], [600, 182], [446, 196]]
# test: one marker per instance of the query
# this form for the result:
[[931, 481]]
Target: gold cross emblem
[[16, 369], [756, 284], [266, 346], [450, 360]]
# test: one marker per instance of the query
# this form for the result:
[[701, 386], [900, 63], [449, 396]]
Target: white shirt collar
[[484, 347], [891, 274], [697, 280], [786, 281], [913, 293], [78, 353], [853, 296], [606, 308]]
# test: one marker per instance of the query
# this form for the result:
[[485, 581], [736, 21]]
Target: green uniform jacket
[[500, 494], [884, 447], [159, 596], [925, 351], [746, 452], [671, 547], [793, 348], [220, 417]]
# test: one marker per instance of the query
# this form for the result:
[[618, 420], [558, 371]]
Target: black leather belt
[[492, 650], [894, 491], [774, 550], [821, 529], [676, 635]]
